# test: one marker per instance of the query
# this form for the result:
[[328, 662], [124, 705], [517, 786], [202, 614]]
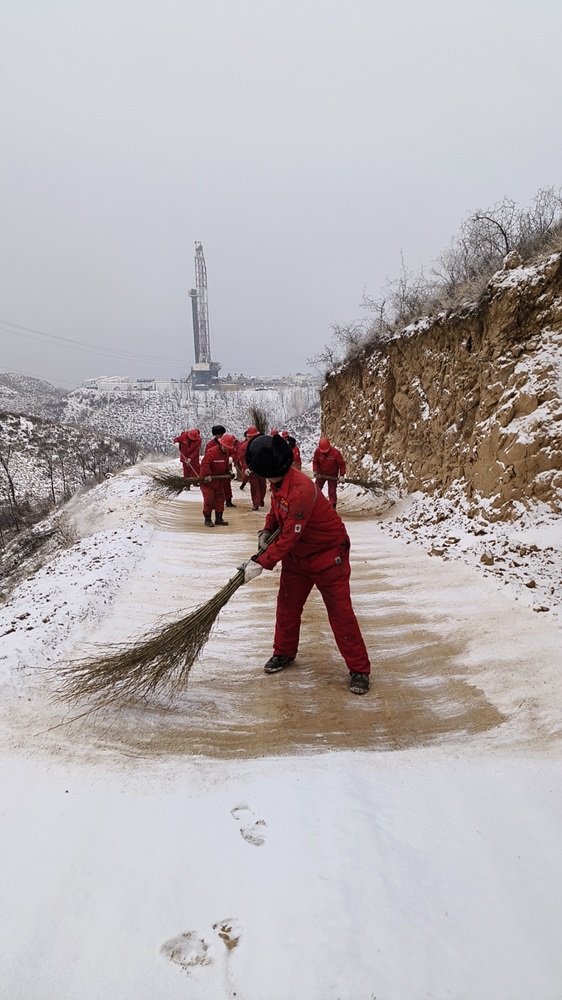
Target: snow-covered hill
[[154, 417]]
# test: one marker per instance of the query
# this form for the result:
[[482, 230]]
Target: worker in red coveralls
[[217, 431], [297, 460], [313, 547], [190, 445], [216, 463], [258, 484], [328, 461]]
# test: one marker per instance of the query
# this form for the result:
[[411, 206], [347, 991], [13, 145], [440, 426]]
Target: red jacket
[[328, 463], [312, 533], [297, 460], [189, 449], [215, 461], [241, 455]]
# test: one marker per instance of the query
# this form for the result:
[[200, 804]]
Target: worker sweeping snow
[[214, 467], [327, 464], [313, 548]]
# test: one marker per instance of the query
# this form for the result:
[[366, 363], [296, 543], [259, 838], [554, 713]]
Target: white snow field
[[278, 838]]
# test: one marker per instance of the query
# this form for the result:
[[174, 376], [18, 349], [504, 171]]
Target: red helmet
[[323, 444], [273, 433], [228, 441], [284, 434], [252, 432], [193, 435]]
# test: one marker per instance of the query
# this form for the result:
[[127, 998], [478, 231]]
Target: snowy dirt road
[[277, 836]]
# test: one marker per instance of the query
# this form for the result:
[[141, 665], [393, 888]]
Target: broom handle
[[201, 479], [275, 534]]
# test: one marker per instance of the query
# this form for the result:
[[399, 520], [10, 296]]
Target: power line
[[40, 378], [77, 345]]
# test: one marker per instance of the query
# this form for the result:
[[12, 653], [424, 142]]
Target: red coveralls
[[328, 463], [189, 455], [215, 462], [297, 460], [258, 485], [314, 550], [227, 486]]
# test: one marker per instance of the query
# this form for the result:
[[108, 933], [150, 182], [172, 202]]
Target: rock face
[[473, 398]]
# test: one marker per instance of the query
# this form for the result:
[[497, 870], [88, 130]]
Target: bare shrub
[[457, 277]]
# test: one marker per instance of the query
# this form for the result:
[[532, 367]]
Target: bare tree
[[8, 486]]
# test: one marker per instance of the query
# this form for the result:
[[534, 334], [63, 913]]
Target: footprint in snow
[[188, 950], [251, 829], [230, 931]]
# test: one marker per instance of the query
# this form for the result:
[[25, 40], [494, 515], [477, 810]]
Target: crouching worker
[[216, 463], [313, 547]]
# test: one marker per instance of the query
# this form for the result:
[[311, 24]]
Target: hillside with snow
[[153, 416]]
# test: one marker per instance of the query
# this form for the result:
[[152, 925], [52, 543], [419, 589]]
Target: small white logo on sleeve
[[297, 528]]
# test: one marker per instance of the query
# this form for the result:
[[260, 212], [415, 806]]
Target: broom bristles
[[159, 662], [166, 482], [373, 485]]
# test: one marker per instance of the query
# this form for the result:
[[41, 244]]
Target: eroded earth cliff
[[470, 400]]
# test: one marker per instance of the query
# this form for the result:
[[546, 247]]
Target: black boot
[[228, 503], [208, 521], [219, 520], [242, 484], [358, 683], [277, 663]]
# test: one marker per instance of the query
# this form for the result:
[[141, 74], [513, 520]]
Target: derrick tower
[[204, 372]]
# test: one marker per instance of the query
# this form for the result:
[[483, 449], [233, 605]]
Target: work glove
[[251, 570], [207, 479], [247, 472], [263, 539]]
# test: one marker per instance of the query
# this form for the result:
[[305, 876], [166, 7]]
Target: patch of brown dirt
[[417, 696]]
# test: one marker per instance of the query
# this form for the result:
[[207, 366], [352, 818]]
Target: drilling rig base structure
[[204, 373]]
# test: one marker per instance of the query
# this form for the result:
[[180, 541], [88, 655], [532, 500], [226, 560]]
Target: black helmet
[[218, 429], [269, 456]]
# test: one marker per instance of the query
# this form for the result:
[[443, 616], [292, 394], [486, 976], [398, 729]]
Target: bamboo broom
[[173, 485], [160, 661], [374, 486]]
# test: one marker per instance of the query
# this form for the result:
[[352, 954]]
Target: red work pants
[[213, 497], [333, 584], [258, 486], [332, 489]]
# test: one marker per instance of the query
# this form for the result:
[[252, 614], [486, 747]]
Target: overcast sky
[[306, 143]]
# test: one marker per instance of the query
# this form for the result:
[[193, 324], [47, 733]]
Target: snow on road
[[276, 836]]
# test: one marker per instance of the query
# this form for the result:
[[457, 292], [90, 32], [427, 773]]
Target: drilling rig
[[204, 373]]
